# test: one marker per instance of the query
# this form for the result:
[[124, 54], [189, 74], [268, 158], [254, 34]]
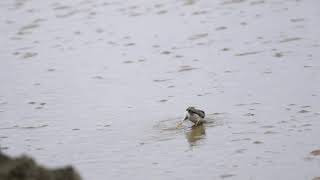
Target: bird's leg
[[197, 123]]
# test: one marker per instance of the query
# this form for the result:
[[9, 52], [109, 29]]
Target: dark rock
[[25, 168]]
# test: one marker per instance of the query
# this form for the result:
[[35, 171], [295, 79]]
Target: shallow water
[[103, 84]]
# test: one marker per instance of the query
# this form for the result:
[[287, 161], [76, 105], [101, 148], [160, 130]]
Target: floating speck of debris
[[29, 55], [297, 20], [162, 12], [32, 127], [267, 126], [127, 62], [249, 114], [166, 52], [278, 54], [97, 77], [130, 44], [248, 53], [186, 68], [221, 28], [232, 2], [290, 39], [161, 80], [257, 142], [198, 36], [226, 176], [243, 23], [269, 132], [163, 100], [303, 111]]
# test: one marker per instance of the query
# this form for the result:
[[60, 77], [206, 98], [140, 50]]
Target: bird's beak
[[185, 118], [182, 121]]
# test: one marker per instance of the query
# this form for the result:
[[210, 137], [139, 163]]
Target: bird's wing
[[200, 113]]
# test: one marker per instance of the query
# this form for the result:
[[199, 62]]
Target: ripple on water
[[28, 55], [189, 2], [25, 127], [198, 36], [167, 129], [232, 2], [248, 53], [186, 68], [290, 39], [224, 176]]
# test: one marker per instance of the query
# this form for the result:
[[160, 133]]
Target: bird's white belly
[[194, 118]]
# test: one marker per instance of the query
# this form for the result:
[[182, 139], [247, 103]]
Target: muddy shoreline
[[24, 168]]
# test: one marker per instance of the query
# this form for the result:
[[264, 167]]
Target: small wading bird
[[194, 115]]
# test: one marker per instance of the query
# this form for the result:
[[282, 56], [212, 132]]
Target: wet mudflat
[[102, 85]]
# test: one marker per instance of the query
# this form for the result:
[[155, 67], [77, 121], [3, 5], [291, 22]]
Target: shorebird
[[194, 115]]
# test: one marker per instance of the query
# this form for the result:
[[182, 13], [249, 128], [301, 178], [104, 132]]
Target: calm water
[[102, 85]]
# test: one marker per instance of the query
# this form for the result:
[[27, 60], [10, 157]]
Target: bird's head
[[190, 109]]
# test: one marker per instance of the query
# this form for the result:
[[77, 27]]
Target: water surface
[[102, 85]]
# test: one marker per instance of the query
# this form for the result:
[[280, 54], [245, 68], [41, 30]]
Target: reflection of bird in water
[[196, 133], [194, 115]]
